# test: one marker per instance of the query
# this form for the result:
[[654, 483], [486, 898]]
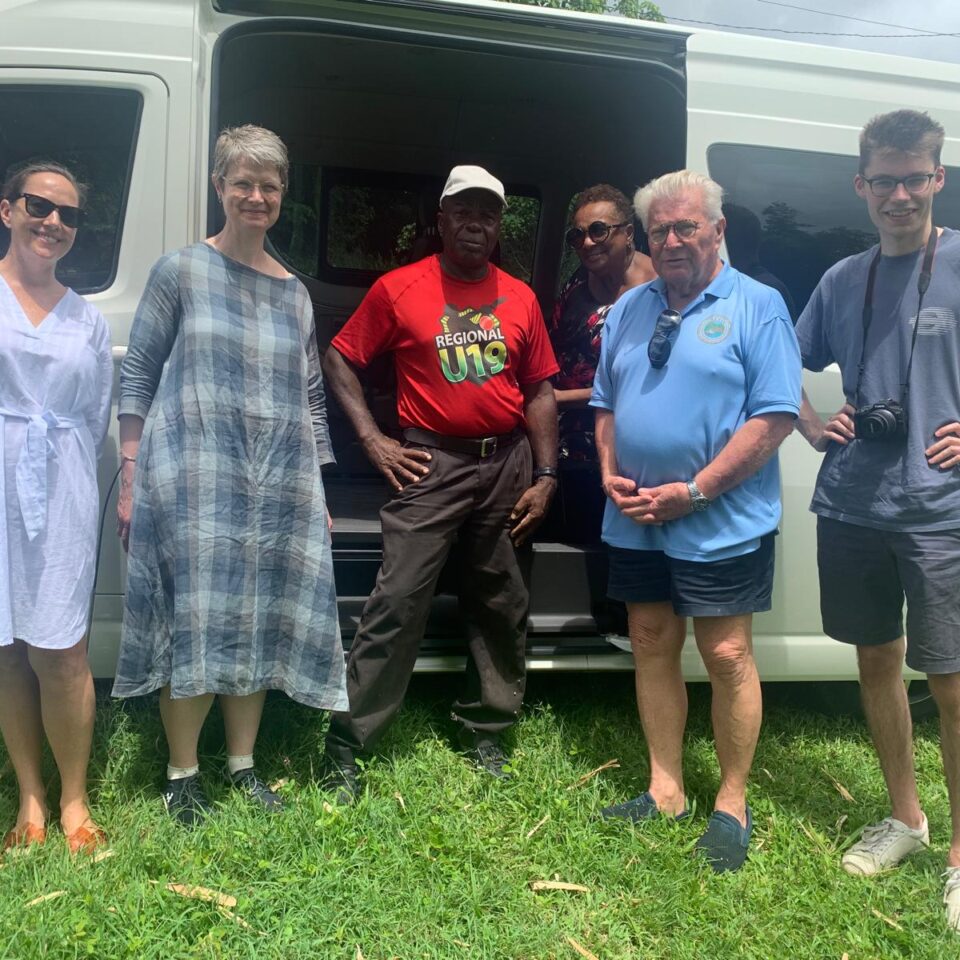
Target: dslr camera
[[885, 420]]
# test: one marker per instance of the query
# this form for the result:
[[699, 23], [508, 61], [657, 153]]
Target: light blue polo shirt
[[734, 356]]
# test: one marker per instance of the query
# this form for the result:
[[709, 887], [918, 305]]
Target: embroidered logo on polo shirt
[[714, 329], [472, 346]]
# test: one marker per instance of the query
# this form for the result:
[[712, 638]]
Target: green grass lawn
[[437, 860]]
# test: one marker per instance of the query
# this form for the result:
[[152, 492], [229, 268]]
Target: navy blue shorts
[[865, 575], [716, 588]]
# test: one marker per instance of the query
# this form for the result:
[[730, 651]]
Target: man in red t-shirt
[[477, 466]]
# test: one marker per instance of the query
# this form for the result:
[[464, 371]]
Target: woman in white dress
[[56, 379]]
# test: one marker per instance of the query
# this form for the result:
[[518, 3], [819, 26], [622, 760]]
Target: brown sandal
[[21, 838], [86, 840]]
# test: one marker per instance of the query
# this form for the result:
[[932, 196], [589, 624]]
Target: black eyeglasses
[[598, 231], [684, 229], [661, 343], [916, 184], [40, 208]]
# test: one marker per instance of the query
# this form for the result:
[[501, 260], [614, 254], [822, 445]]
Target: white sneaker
[[883, 845], [621, 643], [951, 898]]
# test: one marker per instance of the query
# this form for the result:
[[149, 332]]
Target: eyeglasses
[[598, 231], [661, 343], [40, 208], [915, 184], [684, 229], [269, 189]]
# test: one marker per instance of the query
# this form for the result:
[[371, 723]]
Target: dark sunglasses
[[40, 208], [661, 343], [598, 231]]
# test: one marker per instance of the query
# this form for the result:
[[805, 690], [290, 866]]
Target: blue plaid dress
[[230, 575]]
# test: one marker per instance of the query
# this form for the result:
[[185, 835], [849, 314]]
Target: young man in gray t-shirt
[[887, 496]]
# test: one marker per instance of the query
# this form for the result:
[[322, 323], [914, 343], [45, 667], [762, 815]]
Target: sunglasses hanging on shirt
[[661, 343]]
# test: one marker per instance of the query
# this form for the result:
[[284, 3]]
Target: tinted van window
[[351, 226], [809, 214], [92, 131]]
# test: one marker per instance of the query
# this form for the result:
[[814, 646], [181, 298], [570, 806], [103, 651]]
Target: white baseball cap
[[468, 177]]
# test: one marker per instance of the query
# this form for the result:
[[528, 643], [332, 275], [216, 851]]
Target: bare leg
[[657, 635], [888, 717], [241, 721], [946, 691], [182, 721], [67, 704], [725, 643], [22, 729]]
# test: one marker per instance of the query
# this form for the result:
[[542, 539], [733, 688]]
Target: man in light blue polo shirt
[[698, 384]]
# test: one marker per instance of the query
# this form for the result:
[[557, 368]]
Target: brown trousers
[[467, 500]]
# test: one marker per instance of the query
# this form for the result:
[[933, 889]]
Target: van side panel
[[783, 105]]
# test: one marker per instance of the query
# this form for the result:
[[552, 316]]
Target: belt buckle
[[488, 447]]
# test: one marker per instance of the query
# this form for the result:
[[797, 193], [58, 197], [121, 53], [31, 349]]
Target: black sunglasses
[[40, 208], [661, 343], [598, 231]]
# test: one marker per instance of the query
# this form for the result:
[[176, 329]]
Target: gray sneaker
[[951, 898], [883, 845]]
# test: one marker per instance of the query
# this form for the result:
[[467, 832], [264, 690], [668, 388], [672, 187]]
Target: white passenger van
[[376, 100]]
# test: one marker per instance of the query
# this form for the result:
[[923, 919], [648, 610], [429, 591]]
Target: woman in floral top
[[602, 234]]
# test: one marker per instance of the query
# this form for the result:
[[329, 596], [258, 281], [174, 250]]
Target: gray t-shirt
[[874, 483]]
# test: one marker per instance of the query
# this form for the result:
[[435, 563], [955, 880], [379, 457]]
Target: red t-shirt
[[462, 349]]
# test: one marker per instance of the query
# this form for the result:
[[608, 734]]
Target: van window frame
[[26, 86]]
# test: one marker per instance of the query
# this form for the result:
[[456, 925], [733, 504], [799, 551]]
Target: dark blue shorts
[[717, 588], [865, 575]]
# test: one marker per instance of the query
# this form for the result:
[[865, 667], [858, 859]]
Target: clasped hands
[[648, 506]]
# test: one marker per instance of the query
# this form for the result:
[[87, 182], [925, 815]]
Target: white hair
[[256, 145], [674, 186]]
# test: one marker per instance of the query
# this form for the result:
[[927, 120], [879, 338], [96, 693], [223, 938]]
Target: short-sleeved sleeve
[[772, 364], [155, 328], [371, 329], [811, 330], [602, 395], [538, 362]]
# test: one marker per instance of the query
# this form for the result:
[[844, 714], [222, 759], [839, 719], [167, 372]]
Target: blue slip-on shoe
[[724, 843], [639, 808]]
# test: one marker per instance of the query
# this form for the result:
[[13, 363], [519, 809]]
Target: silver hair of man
[[255, 145], [674, 186]]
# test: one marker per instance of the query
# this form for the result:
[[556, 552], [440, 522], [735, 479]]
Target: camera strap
[[923, 282]]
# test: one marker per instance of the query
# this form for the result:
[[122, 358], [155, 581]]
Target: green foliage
[[518, 235], [635, 9], [435, 861]]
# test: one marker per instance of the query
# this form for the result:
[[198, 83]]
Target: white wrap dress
[[56, 381]]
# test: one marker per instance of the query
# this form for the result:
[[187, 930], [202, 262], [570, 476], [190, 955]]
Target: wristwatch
[[545, 472], [697, 500]]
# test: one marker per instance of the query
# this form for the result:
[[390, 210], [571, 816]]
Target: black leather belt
[[475, 446]]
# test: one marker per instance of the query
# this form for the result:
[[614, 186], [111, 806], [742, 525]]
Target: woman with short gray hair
[[230, 586]]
